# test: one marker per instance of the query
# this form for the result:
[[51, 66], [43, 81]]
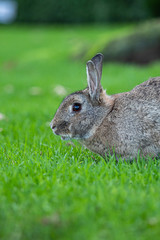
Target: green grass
[[49, 190]]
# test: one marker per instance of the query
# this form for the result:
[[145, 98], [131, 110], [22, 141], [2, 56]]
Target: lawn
[[50, 189]]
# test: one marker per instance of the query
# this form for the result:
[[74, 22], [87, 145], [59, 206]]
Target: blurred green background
[[75, 11]]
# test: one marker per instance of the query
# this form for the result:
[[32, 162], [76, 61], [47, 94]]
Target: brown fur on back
[[133, 124]]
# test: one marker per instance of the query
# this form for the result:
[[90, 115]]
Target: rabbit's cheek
[[76, 131], [73, 131]]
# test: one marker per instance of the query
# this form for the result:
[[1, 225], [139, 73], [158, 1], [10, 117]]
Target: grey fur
[[94, 73], [126, 124]]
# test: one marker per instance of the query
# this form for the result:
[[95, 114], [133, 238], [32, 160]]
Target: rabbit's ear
[[94, 73], [98, 60]]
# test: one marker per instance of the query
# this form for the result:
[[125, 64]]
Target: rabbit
[[125, 124]]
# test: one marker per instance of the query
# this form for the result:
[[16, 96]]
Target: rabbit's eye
[[76, 107]]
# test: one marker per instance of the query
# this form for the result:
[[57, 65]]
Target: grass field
[[51, 190]]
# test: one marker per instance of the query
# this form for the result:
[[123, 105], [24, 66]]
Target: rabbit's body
[[132, 126], [125, 124]]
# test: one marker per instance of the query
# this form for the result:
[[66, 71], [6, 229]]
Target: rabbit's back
[[149, 90], [133, 125], [136, 117]]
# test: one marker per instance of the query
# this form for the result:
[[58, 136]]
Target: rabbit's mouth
[[65, 138]]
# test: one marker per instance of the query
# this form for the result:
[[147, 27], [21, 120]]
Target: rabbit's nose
[[53, 127]]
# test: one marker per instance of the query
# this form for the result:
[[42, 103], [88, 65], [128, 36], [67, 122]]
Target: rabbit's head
[[82, 112]]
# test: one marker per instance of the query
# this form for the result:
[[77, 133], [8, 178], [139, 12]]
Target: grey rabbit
[[124, 124]]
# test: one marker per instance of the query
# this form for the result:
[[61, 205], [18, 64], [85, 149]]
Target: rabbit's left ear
[[94, 73]]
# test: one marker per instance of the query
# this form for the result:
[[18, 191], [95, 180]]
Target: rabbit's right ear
[[98, 60], [94, 73]]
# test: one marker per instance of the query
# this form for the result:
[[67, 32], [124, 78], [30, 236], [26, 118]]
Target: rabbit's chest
[[103, 141]]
